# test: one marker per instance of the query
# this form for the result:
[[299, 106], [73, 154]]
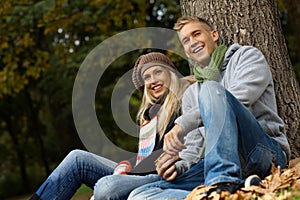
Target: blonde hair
[[171, 104], [182, 21]]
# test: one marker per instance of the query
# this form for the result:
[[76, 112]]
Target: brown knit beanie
[[146, 61]]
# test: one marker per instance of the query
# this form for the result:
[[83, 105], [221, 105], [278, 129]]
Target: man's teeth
[[197, 49]]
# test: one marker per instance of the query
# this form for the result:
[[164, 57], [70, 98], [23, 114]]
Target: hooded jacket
[[246, 74]]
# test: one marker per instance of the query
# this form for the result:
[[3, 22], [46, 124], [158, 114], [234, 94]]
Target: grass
[[83, 193]]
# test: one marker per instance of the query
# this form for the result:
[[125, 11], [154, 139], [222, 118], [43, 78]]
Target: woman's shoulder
[[188, 79]]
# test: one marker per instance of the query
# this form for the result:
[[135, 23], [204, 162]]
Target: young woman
[[158, 78]]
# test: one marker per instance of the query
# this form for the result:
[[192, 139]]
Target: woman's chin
[[158, 94]]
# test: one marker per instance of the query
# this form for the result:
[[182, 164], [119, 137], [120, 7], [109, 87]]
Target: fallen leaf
[[279, 185]]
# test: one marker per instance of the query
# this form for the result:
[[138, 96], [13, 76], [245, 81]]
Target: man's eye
[[185, 41], [197, 34]]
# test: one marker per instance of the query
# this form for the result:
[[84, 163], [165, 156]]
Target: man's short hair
[[187, 19]]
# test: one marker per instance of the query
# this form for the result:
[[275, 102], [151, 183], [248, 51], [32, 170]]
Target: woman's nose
[[153, 79]]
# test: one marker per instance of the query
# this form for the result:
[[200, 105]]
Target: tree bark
[[257, 23]]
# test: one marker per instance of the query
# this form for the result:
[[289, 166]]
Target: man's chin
[[202, 62]]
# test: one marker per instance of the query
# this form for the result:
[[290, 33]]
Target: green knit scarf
[[212, 71]]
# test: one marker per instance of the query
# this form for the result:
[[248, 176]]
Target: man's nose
[[193, 42]]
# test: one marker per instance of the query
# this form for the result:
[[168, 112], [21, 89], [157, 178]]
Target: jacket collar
[[229, 53]]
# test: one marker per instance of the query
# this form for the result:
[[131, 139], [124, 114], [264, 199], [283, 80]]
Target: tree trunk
[[257, 23], [20, 155], [37, 130]]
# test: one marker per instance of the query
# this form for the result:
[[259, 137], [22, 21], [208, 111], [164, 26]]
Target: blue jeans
[[81, 167], [236, 146], [119, 186], [179, 188]]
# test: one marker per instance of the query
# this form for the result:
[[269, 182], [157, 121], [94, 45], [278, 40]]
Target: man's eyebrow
[[192, 33], [195, 31]]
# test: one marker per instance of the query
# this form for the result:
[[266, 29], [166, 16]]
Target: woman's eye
[[158, 72], [146, 78]]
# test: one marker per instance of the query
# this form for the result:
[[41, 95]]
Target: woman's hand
[[173, 142], [170, 174], [165, 166]]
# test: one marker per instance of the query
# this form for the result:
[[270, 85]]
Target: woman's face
[[157, 80]]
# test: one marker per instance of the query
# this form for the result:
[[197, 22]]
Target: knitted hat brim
[[153, 64]]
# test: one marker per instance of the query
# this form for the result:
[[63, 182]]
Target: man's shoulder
[[237, 52], [237, 48]]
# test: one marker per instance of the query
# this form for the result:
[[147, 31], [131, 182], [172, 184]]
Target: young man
[[235, 103]]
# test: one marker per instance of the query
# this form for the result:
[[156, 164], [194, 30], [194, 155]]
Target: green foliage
[[6, 186], [23, 57]]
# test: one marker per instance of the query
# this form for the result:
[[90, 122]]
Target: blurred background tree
[[42, 45]]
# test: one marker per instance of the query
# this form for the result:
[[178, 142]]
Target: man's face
[[198, 41]]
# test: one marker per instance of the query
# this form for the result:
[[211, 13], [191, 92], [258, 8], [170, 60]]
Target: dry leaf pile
[[280, 185]]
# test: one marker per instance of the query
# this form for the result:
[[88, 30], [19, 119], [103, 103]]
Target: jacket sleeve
[[190, 118], [194, 152], [251, 75], [191, 124]]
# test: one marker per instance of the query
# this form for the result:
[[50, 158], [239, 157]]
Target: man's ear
[[215, 35]]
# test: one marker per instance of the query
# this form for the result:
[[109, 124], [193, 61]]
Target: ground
[[84, 193], [280, 185]]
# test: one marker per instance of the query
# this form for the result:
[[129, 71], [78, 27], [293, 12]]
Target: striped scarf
[[147, 139]]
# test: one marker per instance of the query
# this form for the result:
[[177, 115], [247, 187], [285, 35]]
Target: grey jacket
[[246, 74]]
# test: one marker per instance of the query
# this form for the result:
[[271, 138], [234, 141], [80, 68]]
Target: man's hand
[[173, 142], [165, 166]]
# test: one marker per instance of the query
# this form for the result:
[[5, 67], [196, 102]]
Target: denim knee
[[211, 94], [141, 193], [104, 188], [209, 85], [75, 154], [72, 158]]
